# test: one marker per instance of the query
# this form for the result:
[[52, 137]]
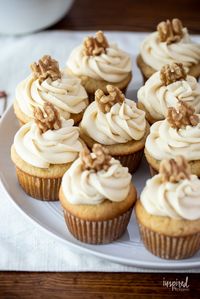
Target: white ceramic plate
[[128, 250]]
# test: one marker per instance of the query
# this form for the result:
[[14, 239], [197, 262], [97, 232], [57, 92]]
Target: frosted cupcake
[[47, 83], [97, 197], [43, 150], [165, 88], [170, 43], [99, 63], [179, 134], [116, 123], [168, 212]]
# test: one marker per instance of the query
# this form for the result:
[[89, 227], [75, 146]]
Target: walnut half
[[182, 116], [100, 160], [171, 73], [94, 46], [46, 67], [170, 31], [105, 102], [175, 169], [49, 119]]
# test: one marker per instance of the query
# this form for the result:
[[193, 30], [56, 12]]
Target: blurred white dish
[[25, 16]]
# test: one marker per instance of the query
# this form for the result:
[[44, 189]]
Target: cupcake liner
[[132, 161], [152, 171], [97, 232], [46, 189], [168, 247]]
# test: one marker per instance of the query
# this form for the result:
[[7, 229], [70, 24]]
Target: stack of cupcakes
[[81, 139]]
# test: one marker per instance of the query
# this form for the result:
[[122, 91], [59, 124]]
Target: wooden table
[[125, 15]]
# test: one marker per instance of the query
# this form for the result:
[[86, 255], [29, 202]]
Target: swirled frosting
[[176, 200], [121, 124], [166, 142], [157, 97], [52, 147], [89, 187], [66, 94], [112, 66], [156, 54]]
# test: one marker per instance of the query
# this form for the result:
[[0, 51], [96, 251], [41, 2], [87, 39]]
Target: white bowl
[[25, 16]]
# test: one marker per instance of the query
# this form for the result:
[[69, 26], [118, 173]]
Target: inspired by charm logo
[[177, 285]]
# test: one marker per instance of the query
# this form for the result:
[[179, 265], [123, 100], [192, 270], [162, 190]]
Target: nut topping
[[171, 73], [175, 169], [105, 102], [170, 31], [94, 46]]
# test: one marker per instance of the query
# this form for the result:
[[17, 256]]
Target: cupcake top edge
[[94, 177], [171, 42], [166, 88], [50, 139], [113, 119], [178, 134], [174, 192], [47, 83], [100, 60]]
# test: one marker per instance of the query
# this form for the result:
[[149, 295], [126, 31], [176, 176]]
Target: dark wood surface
[[126, 15]]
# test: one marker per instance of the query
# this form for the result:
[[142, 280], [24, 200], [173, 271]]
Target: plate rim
[[173, 264]]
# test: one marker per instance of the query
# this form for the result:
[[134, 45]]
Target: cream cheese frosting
[[166, 142], [157, 97], [89, 187], [156, 54], [112, 66], [66, 94], [176, 200], [124, 122], [52, 147]]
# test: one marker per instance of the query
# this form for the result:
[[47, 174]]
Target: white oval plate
[[127, 250]]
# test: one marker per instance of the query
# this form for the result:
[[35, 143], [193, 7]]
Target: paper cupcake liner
[[131, 161], [97, 232], [152, 171], [40, 188], [168, 247]]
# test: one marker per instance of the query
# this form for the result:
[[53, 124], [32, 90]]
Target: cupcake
[[178, 134], [166, 88], [97, 197], [47, 83], [168, 212], [116, 123], [43, 150], [98, 63], [170, 43]]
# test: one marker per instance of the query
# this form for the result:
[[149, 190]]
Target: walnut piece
[[94, 46], [182, 116], [170, 31], [49, 119], [171, 73], [100, 160], [175, 169], [46, 67], [105, 102]]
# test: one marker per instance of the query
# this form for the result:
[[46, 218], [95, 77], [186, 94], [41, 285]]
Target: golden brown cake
[[117, 124], [178, 134], [168, 212], [97, 197], [165, 88], [43, 150], [170, 43], [99, 63], [48, 83]]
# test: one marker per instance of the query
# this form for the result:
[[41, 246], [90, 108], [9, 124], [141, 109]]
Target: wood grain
[[125, 15], [92, 285], [129, 15]]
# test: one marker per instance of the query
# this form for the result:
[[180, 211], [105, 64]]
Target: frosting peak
[[124, 122], [89, 187], [51, 147]]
